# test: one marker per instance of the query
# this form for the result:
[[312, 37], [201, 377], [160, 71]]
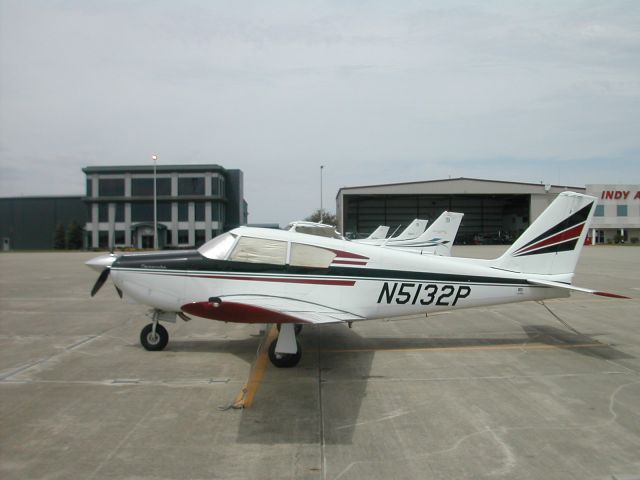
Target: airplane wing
[[548, 283], [266, 309]]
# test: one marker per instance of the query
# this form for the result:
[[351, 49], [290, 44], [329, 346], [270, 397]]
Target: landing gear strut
[[284, 360], [285, 351]]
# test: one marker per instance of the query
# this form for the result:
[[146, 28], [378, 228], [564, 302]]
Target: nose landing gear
[[154, 337]]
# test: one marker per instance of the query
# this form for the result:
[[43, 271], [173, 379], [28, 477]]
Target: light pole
[[155, 205], [321, 210]]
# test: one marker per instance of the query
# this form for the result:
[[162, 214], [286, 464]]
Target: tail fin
[[379, 233], [437, 239], [414, 229], [443, 232], [553, 242]]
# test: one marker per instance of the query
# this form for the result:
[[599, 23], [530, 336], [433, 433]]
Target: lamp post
[[321, 210], [155, 205]]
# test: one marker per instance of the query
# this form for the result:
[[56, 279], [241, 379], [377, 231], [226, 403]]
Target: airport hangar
[[495, 211]]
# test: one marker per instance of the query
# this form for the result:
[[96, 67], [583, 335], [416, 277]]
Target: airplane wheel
[[297, 328], [154, 342], [284, 360]]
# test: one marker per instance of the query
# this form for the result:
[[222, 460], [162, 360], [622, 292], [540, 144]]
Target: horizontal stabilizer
[[548, 283]]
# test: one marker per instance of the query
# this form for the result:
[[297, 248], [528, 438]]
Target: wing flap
[[265, 309]]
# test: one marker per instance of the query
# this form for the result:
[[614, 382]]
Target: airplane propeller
[[100, 281], [102, 264]]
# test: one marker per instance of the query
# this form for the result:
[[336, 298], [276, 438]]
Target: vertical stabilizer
[[379, 233], [552, 243], [443, 231], [414, 229]]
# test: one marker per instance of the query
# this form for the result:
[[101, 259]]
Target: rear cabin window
[[260, 250], [308, 256]]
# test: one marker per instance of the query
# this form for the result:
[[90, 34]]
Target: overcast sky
[[377, 91]]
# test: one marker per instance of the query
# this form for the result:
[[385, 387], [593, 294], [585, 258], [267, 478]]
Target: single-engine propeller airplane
[[253, 275]]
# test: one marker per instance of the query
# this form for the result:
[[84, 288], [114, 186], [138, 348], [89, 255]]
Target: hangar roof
[[460, 185]]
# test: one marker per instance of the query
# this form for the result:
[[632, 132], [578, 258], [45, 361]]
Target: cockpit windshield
[[218, 248]]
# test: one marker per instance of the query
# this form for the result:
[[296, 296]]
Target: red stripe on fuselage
[[343, 254], [348, 262]]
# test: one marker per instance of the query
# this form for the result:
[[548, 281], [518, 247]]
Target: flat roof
[[149, 168]]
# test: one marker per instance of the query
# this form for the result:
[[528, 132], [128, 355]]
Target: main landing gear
[[285, 351]]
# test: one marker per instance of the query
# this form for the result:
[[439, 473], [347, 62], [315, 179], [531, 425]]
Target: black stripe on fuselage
[[192, 262]]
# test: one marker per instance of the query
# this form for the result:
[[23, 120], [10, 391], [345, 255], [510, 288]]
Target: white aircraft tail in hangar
[[254, 275], [413, 230], [437, 239]]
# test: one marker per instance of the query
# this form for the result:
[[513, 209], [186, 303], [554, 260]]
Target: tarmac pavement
[[500, 392]]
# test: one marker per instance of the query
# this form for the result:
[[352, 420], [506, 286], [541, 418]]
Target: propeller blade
[[100, 281]]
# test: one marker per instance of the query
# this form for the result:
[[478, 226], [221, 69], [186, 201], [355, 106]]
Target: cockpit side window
[[218, 248], [310, 256], [260, 250]]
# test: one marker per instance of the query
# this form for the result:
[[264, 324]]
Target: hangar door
[[487, 218]]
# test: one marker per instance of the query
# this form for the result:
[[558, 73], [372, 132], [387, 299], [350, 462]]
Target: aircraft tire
[[297, 328], [154, 344], [284, 360]]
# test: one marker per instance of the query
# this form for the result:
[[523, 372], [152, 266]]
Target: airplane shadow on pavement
[[300, 405]]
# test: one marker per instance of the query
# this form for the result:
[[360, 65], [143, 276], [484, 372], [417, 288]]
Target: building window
[[119, 212], [183, 211], [599, 211], [199, 238], [183, 237], [143, 187], [111, 187], [621, 210], [200, 208], [119, 237], [164, 212], [89, 185], [215, 211], [142, 212], [103, 239], [191, 186], [103, 212], [217, 186], [169, 237]]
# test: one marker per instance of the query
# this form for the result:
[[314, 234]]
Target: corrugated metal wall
[[30, 222]]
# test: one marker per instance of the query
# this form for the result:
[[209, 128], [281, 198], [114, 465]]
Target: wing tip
[[611, 295]]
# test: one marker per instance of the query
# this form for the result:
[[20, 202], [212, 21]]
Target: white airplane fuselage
[[366, 281]]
